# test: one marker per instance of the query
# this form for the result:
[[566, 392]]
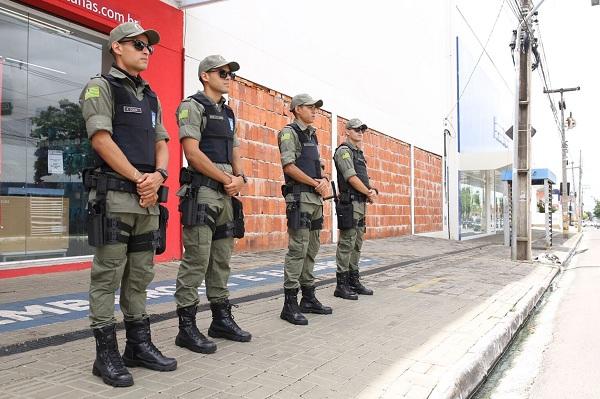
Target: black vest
[[360, 167], [134, 125], [217, 136], [309, 160]]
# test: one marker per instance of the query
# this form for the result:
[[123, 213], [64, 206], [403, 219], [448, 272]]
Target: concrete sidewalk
[[441, 314]]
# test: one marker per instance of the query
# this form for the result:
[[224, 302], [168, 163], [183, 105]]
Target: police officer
[[305, 185], [355, 191], [124, 123], [211, 216]]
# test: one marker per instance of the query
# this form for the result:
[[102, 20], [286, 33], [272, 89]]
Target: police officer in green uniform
[[305, 185], [211, 215], [355, 191], [124, 123]]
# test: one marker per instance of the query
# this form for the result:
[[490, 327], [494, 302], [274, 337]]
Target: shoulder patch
[[92, 92], [183, 114], [346, 155], [286, 136]]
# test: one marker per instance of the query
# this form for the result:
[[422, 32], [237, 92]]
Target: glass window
[[472, 203], [43, 141]]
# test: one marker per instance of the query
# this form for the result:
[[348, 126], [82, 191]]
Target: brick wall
[[388, 163], [261, 113], [428, 191]]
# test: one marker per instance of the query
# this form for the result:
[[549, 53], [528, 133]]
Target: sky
[[568, 31]]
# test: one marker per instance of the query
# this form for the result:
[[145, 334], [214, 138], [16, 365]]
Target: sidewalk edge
[[479, 361]]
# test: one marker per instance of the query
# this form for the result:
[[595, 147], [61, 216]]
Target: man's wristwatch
[[243, 176], [163, 173]]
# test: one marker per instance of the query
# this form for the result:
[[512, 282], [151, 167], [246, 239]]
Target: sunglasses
[[359, 129], [139, 45], [223, 73]]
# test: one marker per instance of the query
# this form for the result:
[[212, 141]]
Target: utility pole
[[572, 196], [580, 192], [521, 191], [565, 192]]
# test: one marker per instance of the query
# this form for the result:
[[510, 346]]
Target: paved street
[[434, 301]]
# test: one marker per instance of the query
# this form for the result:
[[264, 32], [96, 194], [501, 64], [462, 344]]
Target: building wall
[[261, 113], [388, 164], [428, 191], [388, 62]]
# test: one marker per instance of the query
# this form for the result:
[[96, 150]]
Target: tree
[[597, 209], [63, 129], [465, 203]]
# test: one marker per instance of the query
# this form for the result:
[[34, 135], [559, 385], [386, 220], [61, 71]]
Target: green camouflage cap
[[304, 99], [355, 123], [132, 29], [216, 61]]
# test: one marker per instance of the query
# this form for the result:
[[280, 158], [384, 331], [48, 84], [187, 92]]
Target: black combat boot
[[189, 336], [108, 363], [291, 311], [310, 304], [223, 325], [140, 351], [342, 289], [357, 286]]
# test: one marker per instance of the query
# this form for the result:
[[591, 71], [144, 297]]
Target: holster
[[96, 215], [103, 230], [193, 213], [238, 218], [162, 230], [188, 208], [296, 219]]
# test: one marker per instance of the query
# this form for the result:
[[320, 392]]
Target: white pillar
[[334, 144], [412, 188]]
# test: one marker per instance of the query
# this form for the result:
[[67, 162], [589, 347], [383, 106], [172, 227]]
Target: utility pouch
[[345, 215], [163, 194], [162, 229], [238, 218]]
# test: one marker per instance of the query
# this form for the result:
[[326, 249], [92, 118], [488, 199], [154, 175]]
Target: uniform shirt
[[344, 162], [192, 121], [97, 107], [290, 148]]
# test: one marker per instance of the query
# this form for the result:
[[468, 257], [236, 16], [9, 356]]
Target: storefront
[[49, 50], [481, 202]]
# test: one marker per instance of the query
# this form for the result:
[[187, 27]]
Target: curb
[[474, 368]]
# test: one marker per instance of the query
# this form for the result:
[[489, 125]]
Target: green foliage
[[597, 209], [63, 129]]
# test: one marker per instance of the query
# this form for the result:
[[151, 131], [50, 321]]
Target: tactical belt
[[349, 197], [103, 182], [195, 179], [297, 188]]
